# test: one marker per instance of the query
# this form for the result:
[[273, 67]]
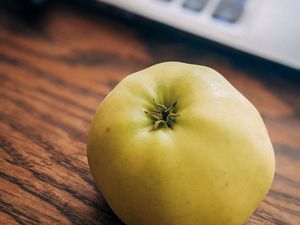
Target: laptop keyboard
[[228, 11]]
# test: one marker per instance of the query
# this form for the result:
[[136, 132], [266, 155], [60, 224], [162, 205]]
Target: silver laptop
[[266, 28]]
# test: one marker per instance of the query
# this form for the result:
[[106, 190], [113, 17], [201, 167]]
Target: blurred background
[[267, 29], [59, 59]]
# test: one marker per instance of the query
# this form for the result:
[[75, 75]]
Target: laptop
[[269, 29]]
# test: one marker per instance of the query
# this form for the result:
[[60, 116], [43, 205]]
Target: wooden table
[[54, 73]]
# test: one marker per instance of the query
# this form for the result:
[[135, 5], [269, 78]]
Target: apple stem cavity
[[163, 116]]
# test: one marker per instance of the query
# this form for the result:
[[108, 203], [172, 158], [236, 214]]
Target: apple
[[177, 144]]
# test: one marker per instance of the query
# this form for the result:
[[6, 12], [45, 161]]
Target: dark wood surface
[[56, 70]]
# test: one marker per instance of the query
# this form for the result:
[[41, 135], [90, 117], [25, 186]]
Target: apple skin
[[213, 167]]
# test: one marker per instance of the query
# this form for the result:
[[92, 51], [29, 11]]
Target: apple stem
[[163, 116]]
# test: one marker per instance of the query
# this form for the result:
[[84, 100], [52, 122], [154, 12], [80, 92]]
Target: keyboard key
[[229, 10], [194, 5]]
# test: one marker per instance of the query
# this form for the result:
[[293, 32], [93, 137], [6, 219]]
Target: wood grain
[[54, 73]]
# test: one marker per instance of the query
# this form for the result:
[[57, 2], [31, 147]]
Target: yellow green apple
[[177, 144]]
